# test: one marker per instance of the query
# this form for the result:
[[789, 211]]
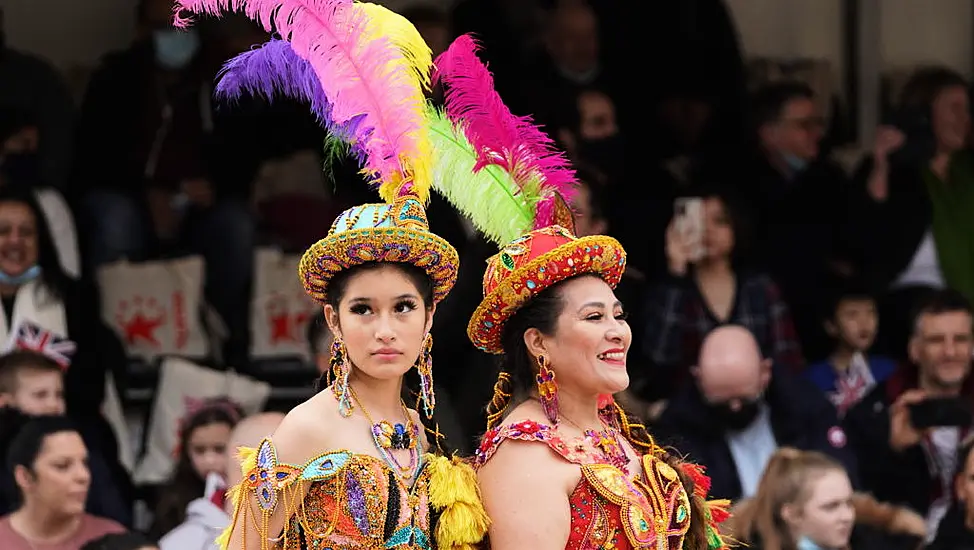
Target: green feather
[[490, 198], [335, 150]]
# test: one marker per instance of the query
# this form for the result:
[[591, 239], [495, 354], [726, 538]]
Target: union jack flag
[[34, 338]]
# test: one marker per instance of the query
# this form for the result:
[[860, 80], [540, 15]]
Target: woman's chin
[[385, 371], [614, 381]]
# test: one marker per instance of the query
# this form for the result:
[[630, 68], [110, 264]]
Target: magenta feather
[[500, 138], [356, 69]]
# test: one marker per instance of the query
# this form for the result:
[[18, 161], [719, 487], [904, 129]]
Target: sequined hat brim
[[597, 254], [343, 250]]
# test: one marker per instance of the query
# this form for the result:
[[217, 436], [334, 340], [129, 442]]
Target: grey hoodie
[[204, 523]]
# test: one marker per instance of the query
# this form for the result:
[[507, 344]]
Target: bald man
[[208, 516], [248, 433], [739, 409]]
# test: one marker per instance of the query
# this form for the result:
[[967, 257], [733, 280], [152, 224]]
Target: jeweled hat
[[397, 232], [366, 79], [533, 263], [516, 194]]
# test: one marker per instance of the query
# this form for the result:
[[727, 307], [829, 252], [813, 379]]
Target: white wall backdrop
[[78, 32], [911, 31]]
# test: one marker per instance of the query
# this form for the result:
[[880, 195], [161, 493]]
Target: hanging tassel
[[455, 494]]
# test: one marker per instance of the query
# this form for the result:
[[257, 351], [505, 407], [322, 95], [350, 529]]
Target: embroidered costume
[[609, 510], [520, 203], [364, 70], [354, 500]]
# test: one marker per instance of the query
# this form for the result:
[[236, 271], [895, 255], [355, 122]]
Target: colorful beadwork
[[396, 232], [398, 436], [533, 263], [353, 501], [608, 442], [608, 508]]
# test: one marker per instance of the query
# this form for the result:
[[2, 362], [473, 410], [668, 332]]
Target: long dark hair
[[52, 275], [516, 381], [186, 485]]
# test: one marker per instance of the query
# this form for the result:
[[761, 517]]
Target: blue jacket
[[823, 375]]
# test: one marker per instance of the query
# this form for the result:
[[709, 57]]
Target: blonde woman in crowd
[[805, 502]]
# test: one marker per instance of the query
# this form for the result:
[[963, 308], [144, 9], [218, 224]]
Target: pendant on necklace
[[398, 436], [610, 448]]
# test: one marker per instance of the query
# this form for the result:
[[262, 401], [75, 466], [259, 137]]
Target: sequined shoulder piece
[[528, 430], [267, 477]]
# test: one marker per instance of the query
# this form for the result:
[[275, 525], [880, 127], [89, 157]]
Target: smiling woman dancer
[[557, 470], [351, 467]]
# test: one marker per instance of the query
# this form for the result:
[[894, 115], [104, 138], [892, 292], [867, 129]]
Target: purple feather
[[274, 69]]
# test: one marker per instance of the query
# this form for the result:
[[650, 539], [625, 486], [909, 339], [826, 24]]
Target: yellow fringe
[[237, 494], [454, 492]]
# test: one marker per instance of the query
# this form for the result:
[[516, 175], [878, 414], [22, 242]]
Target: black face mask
[[735, 420], [606, 153], [21, 169]]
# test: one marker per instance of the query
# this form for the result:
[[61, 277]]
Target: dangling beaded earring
[[339, 369], [424, 364], [547, 390]]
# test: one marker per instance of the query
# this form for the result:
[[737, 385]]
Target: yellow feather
[[454, 491], [248, 459], [417, 60]]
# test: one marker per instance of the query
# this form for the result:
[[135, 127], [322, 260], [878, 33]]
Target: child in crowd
[[201, 457], [805, 501], [208, 516], [31, 385], [849, 372]]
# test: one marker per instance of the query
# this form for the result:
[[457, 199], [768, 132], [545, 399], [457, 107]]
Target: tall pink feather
[[501, 138], [357, 70]]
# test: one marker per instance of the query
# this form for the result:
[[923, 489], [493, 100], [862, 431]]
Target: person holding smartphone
[[708, 287], [906, 431]]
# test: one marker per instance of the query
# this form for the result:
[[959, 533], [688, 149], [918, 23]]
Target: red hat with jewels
[[531, 264], [516, 195]]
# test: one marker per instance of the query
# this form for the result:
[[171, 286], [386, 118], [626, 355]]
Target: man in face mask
[[739, 409], [174, 49]]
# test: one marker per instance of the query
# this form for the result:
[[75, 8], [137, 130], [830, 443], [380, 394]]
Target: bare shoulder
[[520, 464], [304, 432]]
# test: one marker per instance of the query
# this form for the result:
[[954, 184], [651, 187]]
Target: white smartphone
[[688, 212]]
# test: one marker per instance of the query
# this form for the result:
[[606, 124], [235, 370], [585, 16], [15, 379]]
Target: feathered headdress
[[521, 179], [364, 70], [371, 65]]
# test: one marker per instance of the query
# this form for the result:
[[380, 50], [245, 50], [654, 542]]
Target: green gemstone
[[507, 260], [643, 526], [681, 513]]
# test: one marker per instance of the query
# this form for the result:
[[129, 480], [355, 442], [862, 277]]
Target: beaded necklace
[[388, 437], [606, 441]]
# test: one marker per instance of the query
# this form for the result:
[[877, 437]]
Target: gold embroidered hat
[[396, 232]]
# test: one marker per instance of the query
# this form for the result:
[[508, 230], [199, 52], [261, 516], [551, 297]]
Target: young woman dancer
[[351, 467]]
